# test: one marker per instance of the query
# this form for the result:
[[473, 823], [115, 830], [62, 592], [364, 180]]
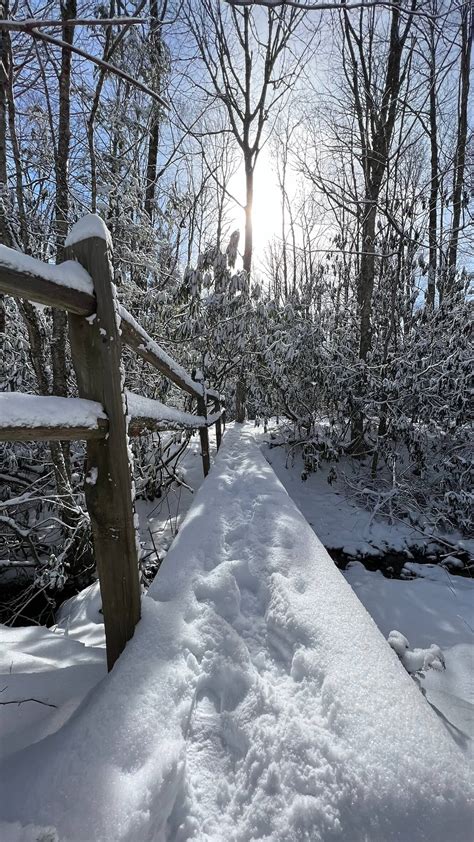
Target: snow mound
[[432, 606], [257, 700], [416, 660], [30, 833], [80, 618], [47, 674]]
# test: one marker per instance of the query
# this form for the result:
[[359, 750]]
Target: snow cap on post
[[90, 225]]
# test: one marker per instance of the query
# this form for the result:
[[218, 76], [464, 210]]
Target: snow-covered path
[[257, 700]]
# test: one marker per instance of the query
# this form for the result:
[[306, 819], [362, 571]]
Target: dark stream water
[[43, 606], [392, 564]]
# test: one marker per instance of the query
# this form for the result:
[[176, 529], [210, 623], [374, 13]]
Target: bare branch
[[31, 27], [347, 7], [30, 24], [58, 42]]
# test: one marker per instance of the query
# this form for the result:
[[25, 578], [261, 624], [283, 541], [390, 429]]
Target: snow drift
[[257, 700]]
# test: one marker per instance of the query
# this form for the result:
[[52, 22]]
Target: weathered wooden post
[[203, 431], [109, 488], [217, 408]]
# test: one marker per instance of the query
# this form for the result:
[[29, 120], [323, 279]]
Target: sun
[[267, 210], [267, 200]]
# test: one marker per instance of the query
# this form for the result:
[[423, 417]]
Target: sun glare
[[266, 205]]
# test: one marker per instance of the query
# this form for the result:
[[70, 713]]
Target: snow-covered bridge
[[257, 700]]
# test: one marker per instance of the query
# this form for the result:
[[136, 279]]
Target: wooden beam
[[49, 293], [140, 425], [138, 339], [12, 433], [213, 394]]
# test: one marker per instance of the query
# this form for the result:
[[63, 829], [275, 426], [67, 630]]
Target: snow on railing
[[25, 417], [138, 339], [32, 417]]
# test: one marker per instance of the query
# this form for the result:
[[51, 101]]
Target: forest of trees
[[352, 322]]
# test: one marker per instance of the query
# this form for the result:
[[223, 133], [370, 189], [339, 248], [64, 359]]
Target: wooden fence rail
[[105, 414]]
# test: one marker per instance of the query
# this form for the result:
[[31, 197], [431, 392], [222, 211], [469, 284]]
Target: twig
[[154, 545], [22, 701], [29, 24]]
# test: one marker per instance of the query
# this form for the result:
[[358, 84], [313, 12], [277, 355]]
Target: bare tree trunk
[[241, 388], [153, 143], [4, 73], [24, 237], [248, 241], [59, 317], [58, 344], [467, 27], [240, 399], [93, 114], [366, 279], [375, 125], [283, 234], [152, 164], [5, 236], [434, 185], [68, 10]]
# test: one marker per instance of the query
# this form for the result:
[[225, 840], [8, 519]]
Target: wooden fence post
[[109, 487], [203, 431], [217, 408], [204, 436]]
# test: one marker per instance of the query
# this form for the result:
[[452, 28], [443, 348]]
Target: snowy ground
[[257, 699], [333, 511], [160, 519], [435, 607]]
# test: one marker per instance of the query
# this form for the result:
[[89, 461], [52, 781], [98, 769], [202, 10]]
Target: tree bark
[[467, 27], [248, 240], [367, 278], [60, 325], [153, 143], [68, 11], [434, 184], [375, 126], [5, 237], [240, 400]]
